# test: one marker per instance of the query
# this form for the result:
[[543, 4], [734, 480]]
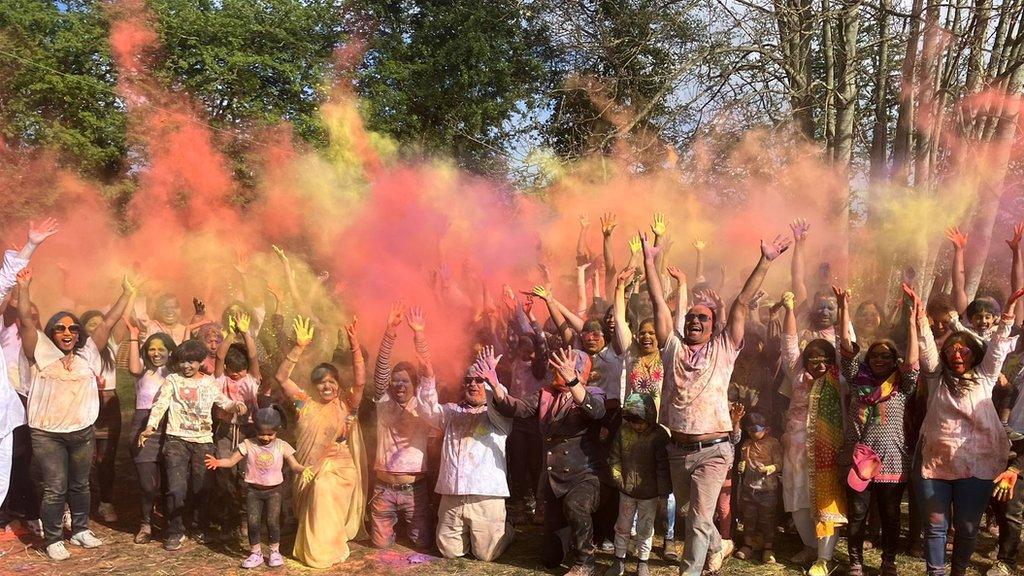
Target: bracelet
[[292, 360]]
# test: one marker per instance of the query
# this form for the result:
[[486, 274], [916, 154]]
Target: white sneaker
[[57, 551], [86, 539], [715, 560], [728, 547], [106, 512]]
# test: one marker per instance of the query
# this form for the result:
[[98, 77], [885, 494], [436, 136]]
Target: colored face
[[637, 425], [157, 353], [646, 338], [93, 324], [817, 363], [236, 374], [757, 434], [475, 390], [593, 341], [983, 320], [940, 324], [698, 325], [881, 361], [868, 319], [169, 311], [66, 334], [401, 388], [212, 341], [824, 312], [265, 434], [190, 368], [959, 358], [328, 387]]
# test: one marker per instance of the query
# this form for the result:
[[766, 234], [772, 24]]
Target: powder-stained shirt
[[63, 398], [473, 449], [147, 386], [695, 394], [402, 433], [187, 403], [608, 373], [242, 390], [263, 464], [12, 412], [962, 437]]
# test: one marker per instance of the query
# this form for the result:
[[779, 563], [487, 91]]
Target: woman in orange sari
[[330, 504]]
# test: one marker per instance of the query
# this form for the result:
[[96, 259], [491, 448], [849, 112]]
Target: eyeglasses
[[72, 328], [474, 379], [701, 317]]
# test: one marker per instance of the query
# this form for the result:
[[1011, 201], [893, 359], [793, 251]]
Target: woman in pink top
[[964, 448]]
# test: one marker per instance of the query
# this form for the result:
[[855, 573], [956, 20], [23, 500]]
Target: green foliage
[[448, 76], [57, 80], [252, 62]]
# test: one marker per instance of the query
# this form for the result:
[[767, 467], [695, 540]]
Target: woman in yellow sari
[[329, 506]]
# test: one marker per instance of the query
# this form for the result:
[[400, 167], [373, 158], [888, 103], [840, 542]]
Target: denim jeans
[[62, 461], [188, 481], [260, 502], [107, 434], [412, 504], [969, 498]]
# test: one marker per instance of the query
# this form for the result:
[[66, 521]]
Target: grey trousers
[[697, 479]]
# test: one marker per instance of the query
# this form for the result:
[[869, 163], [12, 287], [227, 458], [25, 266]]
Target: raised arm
[[382, 367], [698, 272], [958, 271], [635, 255], [303, 336], [225, 345], [37, 234], [135, 365], [581, 289], [607, 227], [101, 335], [682, 296], [800, 227], [662, 313], [416, 321], [845, 336], [913, 354], [242, 325], [565, 331], [623, 335], [1017, 269], [28, 331], [741, 306], [564, 362], [358, 367], [582, 250]]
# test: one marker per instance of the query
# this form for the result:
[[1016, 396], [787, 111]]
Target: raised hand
[[649, 249], [736, 412], [508, 296], [242, 322], [842, 296], [911, 295], [303, 331], [958, 238], [528, 305], [241, 264], [280, 253], [623, 278], [700, 245], [487, 363], [395, 315], [607, 223], [800, 227], [677, 273], [584, 221], [133, 328], [775, 248], [1013, 300], [38, 233], [200, 306], [415, 319], [541, 292], [1018, 232], [659, 226], [24, 277], [128, 286], [275, 292], [564, 363], [634, 244], [789, 300], [756, 300]]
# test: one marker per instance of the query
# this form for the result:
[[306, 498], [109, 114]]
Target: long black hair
[[106, 355], [168, 344]]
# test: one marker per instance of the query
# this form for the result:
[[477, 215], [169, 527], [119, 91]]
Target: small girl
[[265, 457]]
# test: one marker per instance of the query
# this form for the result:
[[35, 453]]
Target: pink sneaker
[[255, 560], [276, 560]]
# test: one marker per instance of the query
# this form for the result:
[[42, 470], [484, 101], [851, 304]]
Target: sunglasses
[[701, 317], [473, 379], [72, 328]]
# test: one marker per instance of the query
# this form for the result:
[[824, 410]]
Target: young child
[[187, 397], [638, 463], [237, 372], [265, 458], [760, 462]]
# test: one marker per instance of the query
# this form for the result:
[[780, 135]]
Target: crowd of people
[[654, 409]]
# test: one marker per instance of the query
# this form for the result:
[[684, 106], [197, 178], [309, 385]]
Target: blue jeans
[[62, 461], [969, 498]]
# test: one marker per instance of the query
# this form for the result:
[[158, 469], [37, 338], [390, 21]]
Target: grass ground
[[21, 555]]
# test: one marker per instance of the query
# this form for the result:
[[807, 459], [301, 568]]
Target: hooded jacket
[[638, 462]]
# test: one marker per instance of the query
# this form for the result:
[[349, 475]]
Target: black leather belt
[[697, 446], [399, 487]]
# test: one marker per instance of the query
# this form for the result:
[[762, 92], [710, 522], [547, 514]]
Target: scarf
[[871, 395], [824, 442]]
